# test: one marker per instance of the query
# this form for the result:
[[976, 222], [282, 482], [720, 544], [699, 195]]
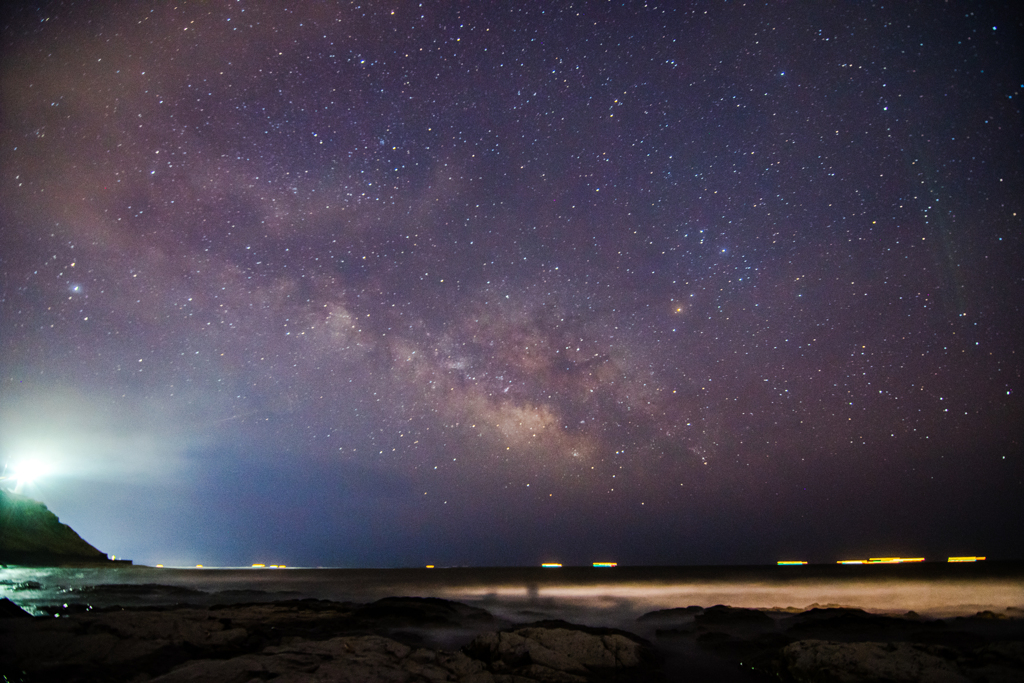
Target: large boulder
[[31, 534]]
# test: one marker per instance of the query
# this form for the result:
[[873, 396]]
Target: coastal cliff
[[32, 535]]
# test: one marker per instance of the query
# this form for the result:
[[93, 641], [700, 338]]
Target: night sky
[[394, 284]]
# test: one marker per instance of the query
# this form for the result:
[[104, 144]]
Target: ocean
[[613, 596]]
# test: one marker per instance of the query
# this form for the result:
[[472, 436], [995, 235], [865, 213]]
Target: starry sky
[[393, 284]]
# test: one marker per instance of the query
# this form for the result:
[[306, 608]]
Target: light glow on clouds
[[65, 435]]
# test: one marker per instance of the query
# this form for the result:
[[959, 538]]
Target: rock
[[814, 661], [721, 615], [514, 650], [346, 659], [560, 653], [312, 640], [1010, 651], [401, 611], [84, 645], [264, 639], [829, 613], [32, 535], [989, 614], [674, 615], [843, 624]]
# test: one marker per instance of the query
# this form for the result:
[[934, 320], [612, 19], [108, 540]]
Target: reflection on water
[[597, 596]]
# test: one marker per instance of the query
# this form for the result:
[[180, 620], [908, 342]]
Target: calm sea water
[[594, 596]]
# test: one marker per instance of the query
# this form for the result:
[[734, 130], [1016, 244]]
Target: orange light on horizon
[[968, 558], [159, 565], [606, 564], [791, 562], [430, 566], [199, 566], [851, 562], [551, 565], [259, 566]]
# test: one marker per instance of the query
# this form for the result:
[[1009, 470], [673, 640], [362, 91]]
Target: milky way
[[367, 284]]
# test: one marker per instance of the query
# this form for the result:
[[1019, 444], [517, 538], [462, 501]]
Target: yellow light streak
[[894, 560], [259, 566], [883, 560], [606, 564], [551, 565], [790, 562], [968, 558]]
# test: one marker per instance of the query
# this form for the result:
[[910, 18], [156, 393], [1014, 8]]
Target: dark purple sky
[[369, 284]]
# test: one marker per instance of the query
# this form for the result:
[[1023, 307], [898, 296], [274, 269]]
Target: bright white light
[[27, 471]]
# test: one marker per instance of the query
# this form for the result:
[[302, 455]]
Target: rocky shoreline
[[430, 639]]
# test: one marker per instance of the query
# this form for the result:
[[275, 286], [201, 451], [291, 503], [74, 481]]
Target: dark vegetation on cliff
[[32, 535]]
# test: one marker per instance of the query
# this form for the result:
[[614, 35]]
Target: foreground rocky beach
[[430, 639]]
